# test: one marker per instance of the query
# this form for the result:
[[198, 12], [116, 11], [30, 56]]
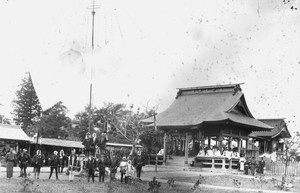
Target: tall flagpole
[[91, 84]]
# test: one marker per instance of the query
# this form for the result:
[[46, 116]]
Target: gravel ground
[[80, 184]]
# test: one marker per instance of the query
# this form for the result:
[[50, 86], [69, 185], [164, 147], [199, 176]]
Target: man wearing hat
[[23, 160]]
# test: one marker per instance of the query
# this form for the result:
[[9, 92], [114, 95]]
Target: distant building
[[272, 141], [12, 136]]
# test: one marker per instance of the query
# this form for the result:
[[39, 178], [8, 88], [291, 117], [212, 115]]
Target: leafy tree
[[54, 123], [27, 108], [80, 124]]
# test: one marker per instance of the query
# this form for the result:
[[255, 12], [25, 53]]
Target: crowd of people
[[247, 165], [104, 163], [215, 152]]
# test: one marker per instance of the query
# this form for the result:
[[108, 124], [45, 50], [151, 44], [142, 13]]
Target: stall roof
[[197, 105], [12, 132]]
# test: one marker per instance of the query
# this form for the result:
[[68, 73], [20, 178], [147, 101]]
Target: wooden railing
[[216, 162]]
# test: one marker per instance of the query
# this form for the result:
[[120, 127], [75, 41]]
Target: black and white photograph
[[160, 96]]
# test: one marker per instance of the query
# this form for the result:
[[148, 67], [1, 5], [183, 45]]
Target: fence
[[278, 168]]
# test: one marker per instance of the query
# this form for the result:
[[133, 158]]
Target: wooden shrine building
[[272, 141], [208, 116]]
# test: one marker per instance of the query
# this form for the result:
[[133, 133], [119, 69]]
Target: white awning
[[12, 132]]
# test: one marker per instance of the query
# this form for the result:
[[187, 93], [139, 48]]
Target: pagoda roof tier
[[195, 106]]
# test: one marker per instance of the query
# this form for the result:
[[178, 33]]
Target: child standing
[[129, 171], [123, 167]]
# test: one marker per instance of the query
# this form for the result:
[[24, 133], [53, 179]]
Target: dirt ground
[[184, 181]]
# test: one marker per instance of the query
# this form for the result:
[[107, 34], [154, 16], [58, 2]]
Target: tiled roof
[[11, 132], [197, 105], [279, 126]]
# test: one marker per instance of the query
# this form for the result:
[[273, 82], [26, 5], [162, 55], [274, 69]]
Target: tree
[[54, 123], [80, 124], [27, 108], [290, 152]]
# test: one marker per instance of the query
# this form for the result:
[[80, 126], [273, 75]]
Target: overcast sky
[[144, 50]]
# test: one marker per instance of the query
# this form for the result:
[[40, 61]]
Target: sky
[[145, 50]]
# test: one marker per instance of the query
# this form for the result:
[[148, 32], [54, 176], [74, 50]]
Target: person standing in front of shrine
[[72, 164], [102, 142], [87, 144], [114, 164], [94, 142], [261, 165], [253, 166], [38, 161], [242, 162], [63, 160], [101, 165], [23, 160], [54, 164], [123, 167], [138, 163], [10, 159], [91, 166]]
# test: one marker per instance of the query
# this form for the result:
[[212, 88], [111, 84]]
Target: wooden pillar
[[186, 149], [265, 146], [209, 142], [165, 148], [246, 152], [239, 146]]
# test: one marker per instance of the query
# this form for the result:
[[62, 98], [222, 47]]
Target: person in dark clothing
[[94, 142], [138, 163], [87, 144], [261, 165], [91, 165], [38, 161], [54, 164], [253, 166], [102, 142], [101, 165], [114, 164], [123, 168], [23, 160]]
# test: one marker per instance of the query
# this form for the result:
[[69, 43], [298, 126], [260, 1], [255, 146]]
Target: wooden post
[[156, 161], [246, 152], [265, 146], [223, 163], [239, 146], [165, 148], [186, 149], [209, 142]]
